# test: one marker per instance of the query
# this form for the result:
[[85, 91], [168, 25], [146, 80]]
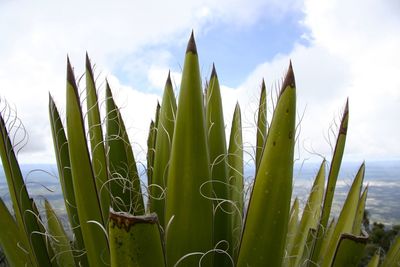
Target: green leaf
[[26, 217], [264, 234], [311, 237], [392, 258], [235, 168], [189, 210], [374, 262], [332, 178], [219, 171], [42, 229], [61, 148], [59, 239], [165, 133], [310, 217], [99, 162], [135, 240], [86, 197], [292, 227], [360, 213], [151, 140], [124, 182], [151, 145], [349, 250], [346, 218], [327, 237], [261, 125], [12, 241]]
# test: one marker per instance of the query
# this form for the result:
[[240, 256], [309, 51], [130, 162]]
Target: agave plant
[[196, 214]]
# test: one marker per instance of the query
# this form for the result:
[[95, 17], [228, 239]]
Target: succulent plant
[[196, 214]]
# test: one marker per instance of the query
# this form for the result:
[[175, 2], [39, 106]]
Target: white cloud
[[352, 53], [157, 76], [36, 37]]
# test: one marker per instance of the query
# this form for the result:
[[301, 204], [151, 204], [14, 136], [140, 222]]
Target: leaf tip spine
[[344, 122], [289, 78], [191, 47], [169, 82], [71, 76], [213, 72]]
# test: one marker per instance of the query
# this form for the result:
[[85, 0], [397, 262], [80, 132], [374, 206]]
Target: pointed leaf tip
[[70, 75], [289, 78], [344, 122], [263, 85], [169, 82], [51, 100], [191, 47], [107, 85], [89, 65], [213, 72]]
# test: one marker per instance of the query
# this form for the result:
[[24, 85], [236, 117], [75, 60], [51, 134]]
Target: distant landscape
[[382, 177]]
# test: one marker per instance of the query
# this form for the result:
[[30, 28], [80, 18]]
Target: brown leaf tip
[[346, 108], [344, 122], [169, 82], [89, 65], [70, 75], [263, 88], [289, 78], [191, 47], [108, 91], [213, 72]]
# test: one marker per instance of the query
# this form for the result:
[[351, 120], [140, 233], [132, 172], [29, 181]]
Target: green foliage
[[381, 238], [196, 213]]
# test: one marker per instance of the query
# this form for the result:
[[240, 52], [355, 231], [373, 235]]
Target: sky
[[339, 49]]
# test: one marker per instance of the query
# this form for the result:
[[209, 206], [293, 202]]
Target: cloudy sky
[[339, 49]]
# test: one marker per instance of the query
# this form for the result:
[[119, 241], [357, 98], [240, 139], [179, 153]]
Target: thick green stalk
[[261, 125], [165, 133], [235, 168], [124, 182], [12, 241], [346, 218], [135, 241], [189, 210], [86, 197], [264, 234], [59, 239], [99, 162], [332, 178], [310, 217], [61, 148], [219, 171]]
